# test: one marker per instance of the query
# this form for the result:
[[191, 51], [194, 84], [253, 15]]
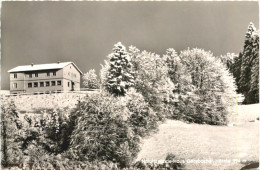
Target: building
[[45, 78]]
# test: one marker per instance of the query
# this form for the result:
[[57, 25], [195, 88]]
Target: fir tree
[[236, 70], [119, 76], [248, 82], [254, 82]]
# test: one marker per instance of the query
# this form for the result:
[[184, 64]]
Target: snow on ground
[[248, 113], [216, 144], [4, 92], [28, 103], [220, 147]]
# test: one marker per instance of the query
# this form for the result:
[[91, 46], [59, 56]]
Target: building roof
[[34, 67]]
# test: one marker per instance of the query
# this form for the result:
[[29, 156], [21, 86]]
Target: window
[[47, 83], [68, 84], [15, 85], [48, 74], [35, 84], [54, 73], [53, 83], [41, 84], [36, 74], [30, 75], [59, 83], [15, 76], [29, 85]]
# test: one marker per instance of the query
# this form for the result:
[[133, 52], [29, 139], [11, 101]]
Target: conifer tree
[[236, 70], [119, 76], [254, 82], [248, 82]]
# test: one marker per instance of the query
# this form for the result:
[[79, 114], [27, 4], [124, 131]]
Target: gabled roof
[[35, 67]]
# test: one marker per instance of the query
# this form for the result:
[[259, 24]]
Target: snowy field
[[28, 103], [212, 147]]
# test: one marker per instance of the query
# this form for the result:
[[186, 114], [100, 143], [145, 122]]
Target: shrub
[[29, 138], [142, 118], [169, 163], [10, 125], [102, 132], [172, 163], [50, 129]]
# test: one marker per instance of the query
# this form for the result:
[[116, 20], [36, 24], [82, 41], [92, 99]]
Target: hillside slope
[[225, 147]]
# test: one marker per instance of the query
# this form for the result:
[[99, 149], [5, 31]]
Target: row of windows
[[36, 74], [48, 74], [44, 84], [41, 84]]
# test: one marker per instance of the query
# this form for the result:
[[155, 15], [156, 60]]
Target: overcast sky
[[85, 32]]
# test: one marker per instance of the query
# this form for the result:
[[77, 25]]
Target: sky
[[85, 32]]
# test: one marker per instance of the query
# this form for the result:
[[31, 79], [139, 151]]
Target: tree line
[[244, 68]]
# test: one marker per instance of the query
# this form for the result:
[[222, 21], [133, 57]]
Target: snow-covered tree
[[228, 60], [103, 73], [182, 95], [152, 80], [254, 82], [119, 76], [249, 77], [90, 80], [214, 88]]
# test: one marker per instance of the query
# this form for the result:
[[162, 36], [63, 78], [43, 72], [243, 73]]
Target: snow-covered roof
[[34, 67]]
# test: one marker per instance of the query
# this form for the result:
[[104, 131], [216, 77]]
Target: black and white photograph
[[131, 85]]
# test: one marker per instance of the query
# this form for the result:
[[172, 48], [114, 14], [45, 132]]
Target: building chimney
[[32, 64]]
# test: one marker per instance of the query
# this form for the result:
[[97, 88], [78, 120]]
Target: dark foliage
[[170, 163], [246, 67]]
